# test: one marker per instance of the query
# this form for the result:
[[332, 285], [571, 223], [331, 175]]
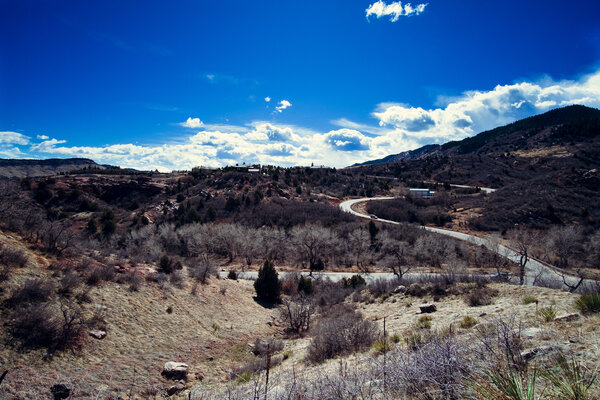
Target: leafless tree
[[522, 240], [564, 242], [297, 313], [314, 243], [397, 255]]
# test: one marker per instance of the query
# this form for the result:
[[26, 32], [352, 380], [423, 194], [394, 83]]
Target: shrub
[[166, 265], [424, 322], [343, 331], [588, 303], [267, 285], [354, 282], [570, 380], [305, 285], [547, 314], [529, 299], [176, 279], [481, 296], [268, 346], [42, 325], [13, 256], [468, 322], [96, 275], [381, 287], [201, 270], [297, 313], [68, 284], [381, 346], [32, 291], [232, 275]]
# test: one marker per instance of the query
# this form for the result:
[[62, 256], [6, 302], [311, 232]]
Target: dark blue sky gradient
[[98, 72]]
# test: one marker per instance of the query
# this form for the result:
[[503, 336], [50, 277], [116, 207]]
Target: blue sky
[[171, 85]]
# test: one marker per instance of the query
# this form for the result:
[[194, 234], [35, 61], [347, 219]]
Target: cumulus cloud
[[399, 127], [347, 140], [267, 99], [42, 137], [283, 104], [394, 10], [192, 123], [477, 111], [8, 137]]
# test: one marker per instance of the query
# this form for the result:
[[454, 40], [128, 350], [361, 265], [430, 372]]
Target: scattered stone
[[176, 388], [482, 314], [427, 308], [210, 358], [400, 289], [199, 376], [567, 317], [60, 391], [175, 370], [98, 334]]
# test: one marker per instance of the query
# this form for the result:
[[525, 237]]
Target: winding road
[[534, 269]]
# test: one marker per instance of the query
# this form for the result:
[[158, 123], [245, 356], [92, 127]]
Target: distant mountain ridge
[[576, 122], [23, 168]]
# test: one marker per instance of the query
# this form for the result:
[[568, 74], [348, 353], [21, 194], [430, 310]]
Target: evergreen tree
[[267, 285]]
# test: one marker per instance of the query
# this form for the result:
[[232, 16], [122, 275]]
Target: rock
[[400, 289], [536, 352], [530, 333], [60, 391], [482, 314], [567, 317], [176, 388], [210, 358], [98, 334], [199, 376], [175, 370], [427, 308]]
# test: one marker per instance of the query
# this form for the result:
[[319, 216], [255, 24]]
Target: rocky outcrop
[[175, 370]]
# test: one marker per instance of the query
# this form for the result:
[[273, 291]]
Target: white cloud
[[42, 137], [192, 123], [46, 146], [283, 104], [394, 10], [267, 99], [477, 111], [8, 137], [401, 127]]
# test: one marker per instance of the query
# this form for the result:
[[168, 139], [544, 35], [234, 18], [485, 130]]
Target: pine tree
[[267, 285]]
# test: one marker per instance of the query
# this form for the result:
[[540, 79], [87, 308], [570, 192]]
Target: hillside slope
[[14, 168]]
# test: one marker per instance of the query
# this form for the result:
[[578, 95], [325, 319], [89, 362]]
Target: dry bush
[[201, 270], [381, 287], [342, 331], [297, 313], [13, 256], [99, 274], [480, 296], [176, 279], [267, 346], [437, 369], [32, 291], [48, 325], [329, 293], [69, 283]]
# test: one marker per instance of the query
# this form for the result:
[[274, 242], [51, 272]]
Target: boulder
[[400, 289], [98, 334], [60, 391], [175, 370], [567, 317], [427, 308], [529, 333], [176, 388]]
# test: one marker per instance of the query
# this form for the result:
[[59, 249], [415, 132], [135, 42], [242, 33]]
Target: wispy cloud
[[192, 123], [283, 104], [8, 137], [394, 10], [42, 137]]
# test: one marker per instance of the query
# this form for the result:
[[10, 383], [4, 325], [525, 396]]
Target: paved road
[[534, 268]]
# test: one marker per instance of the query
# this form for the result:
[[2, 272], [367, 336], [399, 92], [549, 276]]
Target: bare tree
[[297, 313], [314, 244], [522, 240], [564, 243], [397, 254]]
